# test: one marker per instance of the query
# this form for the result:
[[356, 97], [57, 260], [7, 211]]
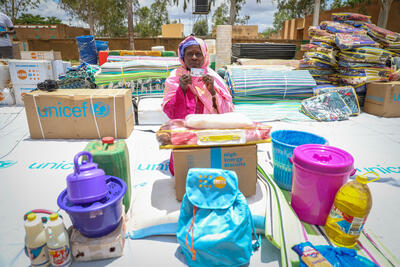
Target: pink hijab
[[198, 88]]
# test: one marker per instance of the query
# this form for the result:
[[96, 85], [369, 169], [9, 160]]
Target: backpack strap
[[256, 244]]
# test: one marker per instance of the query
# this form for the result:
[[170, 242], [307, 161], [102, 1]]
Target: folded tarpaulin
[[350, 16], [338, 27], [129, 58], [349, 41], [247, 82], [114, 72]]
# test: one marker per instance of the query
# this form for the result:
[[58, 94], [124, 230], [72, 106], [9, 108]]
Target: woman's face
[[193, 57]]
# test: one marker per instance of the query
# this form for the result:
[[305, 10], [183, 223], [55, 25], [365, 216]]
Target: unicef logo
[[6, 163], [99, 109]]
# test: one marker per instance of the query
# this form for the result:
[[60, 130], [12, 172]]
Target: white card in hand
[[195, 72]]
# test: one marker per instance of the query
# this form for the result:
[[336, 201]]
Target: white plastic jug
[[35, 241], [58, 242]]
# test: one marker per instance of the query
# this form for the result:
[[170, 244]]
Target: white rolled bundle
[[231, 120]]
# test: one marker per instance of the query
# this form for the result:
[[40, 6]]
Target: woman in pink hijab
[[185, 93]]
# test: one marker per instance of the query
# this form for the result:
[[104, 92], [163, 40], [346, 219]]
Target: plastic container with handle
[[113, 157]]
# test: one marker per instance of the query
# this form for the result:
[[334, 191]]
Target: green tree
[[142, 25], [36, 19], [149, 20], [268, 31], [279, 19], [220, 16], [14, 8], [200, 28], [336, 4], [112, 21], [234, 10], [103, 16], [291, 9], [158, 15]]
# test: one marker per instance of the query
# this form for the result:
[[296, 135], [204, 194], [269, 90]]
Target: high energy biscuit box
[[30, 71], [79, 113], [242, 159]]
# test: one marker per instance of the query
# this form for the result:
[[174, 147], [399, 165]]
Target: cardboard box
[[41, 55], [58, 68], [241, 159], [68, 113], [172, 30], [383, 99], [29, 71], [20, 90]]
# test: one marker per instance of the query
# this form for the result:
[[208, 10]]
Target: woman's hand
[[209, 82], [184, 80]]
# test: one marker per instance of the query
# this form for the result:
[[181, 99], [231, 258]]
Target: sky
[[261, 14]]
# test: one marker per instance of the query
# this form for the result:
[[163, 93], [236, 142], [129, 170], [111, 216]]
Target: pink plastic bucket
[[318, 173]]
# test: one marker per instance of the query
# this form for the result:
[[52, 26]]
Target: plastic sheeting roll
[[87, 49]]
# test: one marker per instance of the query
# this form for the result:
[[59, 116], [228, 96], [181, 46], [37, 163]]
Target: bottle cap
[[363, 179], [53, 216], [31, 216], [107, 140]]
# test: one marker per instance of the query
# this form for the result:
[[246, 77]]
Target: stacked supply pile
[[58, 66], [26, 74], [320, 56], [263, 51], [388, 39], [155, 53], [342, 52], [262, 83], [113, 58], [141, 75], [361, 59]]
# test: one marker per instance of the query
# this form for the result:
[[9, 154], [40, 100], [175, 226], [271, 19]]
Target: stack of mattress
[[263, 51]]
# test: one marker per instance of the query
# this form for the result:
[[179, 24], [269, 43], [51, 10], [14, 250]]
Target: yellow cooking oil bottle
[[349, 211]]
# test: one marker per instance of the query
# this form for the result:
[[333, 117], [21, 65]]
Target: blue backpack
[[215, 224]]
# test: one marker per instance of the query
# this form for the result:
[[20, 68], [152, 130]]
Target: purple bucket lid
[[322, 158], [116, 190]]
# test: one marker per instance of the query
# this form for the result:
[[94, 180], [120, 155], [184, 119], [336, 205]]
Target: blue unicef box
[[79, 113]]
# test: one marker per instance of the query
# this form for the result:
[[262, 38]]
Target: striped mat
[[284, 229], [263, 111]]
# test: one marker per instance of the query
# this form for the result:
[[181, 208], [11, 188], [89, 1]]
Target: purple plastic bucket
[[100, 217], [318, 173]]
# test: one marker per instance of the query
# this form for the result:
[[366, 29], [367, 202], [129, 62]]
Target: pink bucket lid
[[322, 158]]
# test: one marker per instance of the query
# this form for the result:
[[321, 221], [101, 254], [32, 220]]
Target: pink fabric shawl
[[198, 88]]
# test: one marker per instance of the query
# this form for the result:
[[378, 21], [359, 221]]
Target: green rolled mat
[[114, 53], [168, 54]]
